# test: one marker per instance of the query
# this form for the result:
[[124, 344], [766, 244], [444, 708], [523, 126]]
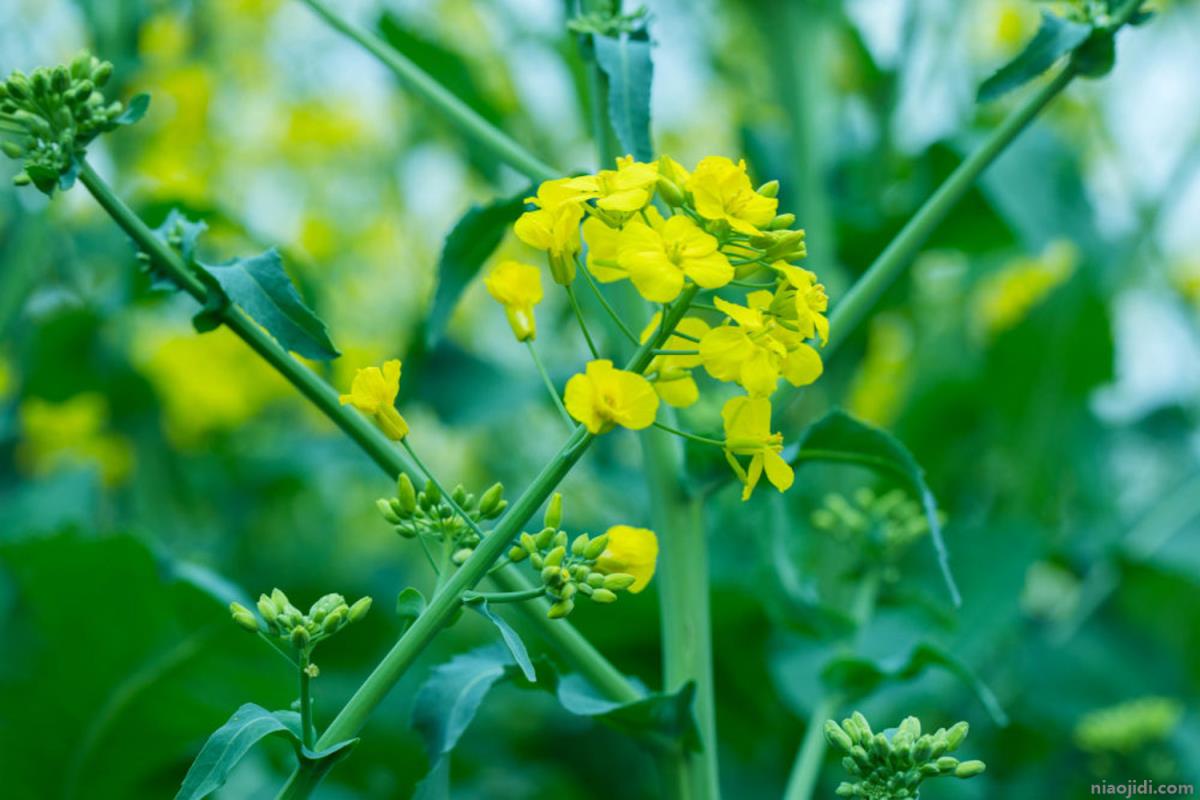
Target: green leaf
[[666, 713], [264, 291], [856, 676], [1055, 38], [627, 63], [249, 725], [447, 702], [839, 437], [410, 604], [135, 110], [511, 639], [471, 242]]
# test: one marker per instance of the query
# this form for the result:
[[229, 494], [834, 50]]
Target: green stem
[[304, 780], [306, 718], [558, 403], [682, 578], [420, 83], [579, 318], [807, 767], [607, 306], [694, 437], [505, 597], [676, 352], [449, 498]]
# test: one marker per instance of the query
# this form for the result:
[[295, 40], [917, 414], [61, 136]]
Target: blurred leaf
[[627, 63], [1055, 38], [839, 437], [135, 109], [666, 713], [471, 242], [176, 231], [263, 290], [103, 650], [856, 676], [511, 640]]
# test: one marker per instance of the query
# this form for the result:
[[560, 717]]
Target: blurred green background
[[1041, 360]]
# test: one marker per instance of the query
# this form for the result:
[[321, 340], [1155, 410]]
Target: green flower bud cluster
[[59, 110], [1129, 726], [284, 622], [891, 765], [886, 523], [427, 513], [568, 567], [608, 23]]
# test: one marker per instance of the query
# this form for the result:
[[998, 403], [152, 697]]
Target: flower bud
[[969, 769], [432, 493], [555, 556], [604, 596], [864, 727], [300, 637], [489, 504], [517, 554], [459, 495], [955, 736], [528, 543], [537, 560], [568, 591], [769, 189], [595, 547], [836, 736], [102, 73], [670, 192], [406, 495], [560, 539], [618, 581], [242, 616], [595, 579], [782, 222], [550, 576], [579, 546], [335, 620], [561, 609], [359, 609], [12, 149], [554, 512], [81, 65], [544, 537], [60, 81], [267, 609], [461, 555], [385, 508], [947, 763]]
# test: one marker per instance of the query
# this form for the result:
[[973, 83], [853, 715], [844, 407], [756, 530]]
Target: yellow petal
[[711, 271], [602, 242], [779, 472], [633, 551], [802, 366], [760, 372], [723, 350], [580, 400]]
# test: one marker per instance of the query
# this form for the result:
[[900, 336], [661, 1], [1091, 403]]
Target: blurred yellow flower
[[659, 258], [757, 350], [1004, 298], [631, 551], [6, 378], [373, 391], [672, 373], [603, 397], [517, 287], [722, 192], [54, 435], [748, 433], [164, 37], [884, 374], [1129, 726]]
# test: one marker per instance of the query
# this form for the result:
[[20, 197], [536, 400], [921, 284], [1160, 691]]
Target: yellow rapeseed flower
[[659, 258], [555, 230], [518, 287], [721, 191], [748, 433], [758, 349], [811, 301], [73, 432], [626, 189], [603, 242], [1004, 298], [632, 551], [373, 391], [603, 397], [672, 373]]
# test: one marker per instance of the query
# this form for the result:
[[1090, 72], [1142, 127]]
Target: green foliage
[[511, 638], [230, 743], [469, 244], [626, 61], [1055, 38]]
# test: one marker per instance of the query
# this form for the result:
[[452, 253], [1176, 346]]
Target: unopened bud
[[359, 609], [947, 763], [490, 502], [954, 737], [554, 512], [782, 222], [579, 546], [267, 608], [555, 556], [618, 581], [528, 543], [769, 189], [550, 576], [969, 769], [300, 637], [461, 555], [670, 193], [243, 616], [385, 508], [12, 149], [459, 494], [604, 596], [335, 620], [596, 547], [406, 495], [517, 554], [544, 537], [561, 609], [432, 493], [836, 736]]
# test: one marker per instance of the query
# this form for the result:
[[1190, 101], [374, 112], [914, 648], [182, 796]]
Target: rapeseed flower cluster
[[674, 234]]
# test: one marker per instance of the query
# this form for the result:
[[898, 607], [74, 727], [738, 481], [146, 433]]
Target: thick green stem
[[420, 83], [684, 607], [812, 750], [304, 780]]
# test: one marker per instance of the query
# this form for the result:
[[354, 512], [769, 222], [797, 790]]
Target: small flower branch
[[549, 384]]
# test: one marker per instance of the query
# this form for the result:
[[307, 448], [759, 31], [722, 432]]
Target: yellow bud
[[406, 495], [769, 189], [618, 581], [561, 609], [595, 547], [782, 222], [517, 554], [603, 596], [554, 513], [579, 546], [671, 194], [555, 556]]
